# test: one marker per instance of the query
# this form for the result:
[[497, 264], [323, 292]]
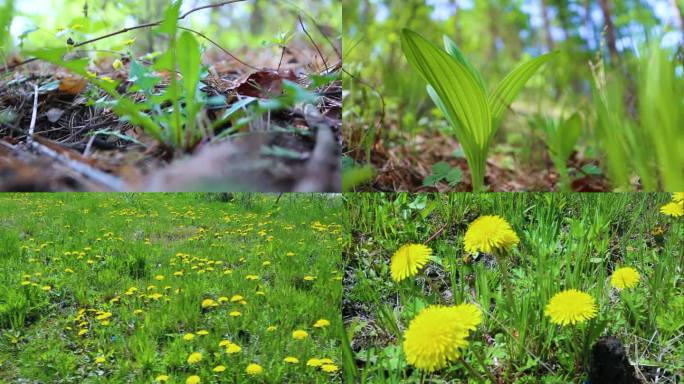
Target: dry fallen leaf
[[72, 84], [53, 114]]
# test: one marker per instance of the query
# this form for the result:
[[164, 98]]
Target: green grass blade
[[568, 135], [189, 63], [506, 91]]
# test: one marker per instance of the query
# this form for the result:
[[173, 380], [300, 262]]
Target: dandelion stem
[[483, 363], [503, 267], [472, 370]]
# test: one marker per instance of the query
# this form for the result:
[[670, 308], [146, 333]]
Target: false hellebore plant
[[458, 89]]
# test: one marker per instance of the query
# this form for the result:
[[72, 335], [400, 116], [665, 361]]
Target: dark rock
[[609, 363]]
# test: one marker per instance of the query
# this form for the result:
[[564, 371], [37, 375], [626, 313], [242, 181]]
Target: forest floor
[[403, 161], [52, 137]]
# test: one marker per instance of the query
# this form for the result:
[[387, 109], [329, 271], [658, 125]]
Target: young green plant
[[458, 89], [176, 127], [561, 137]]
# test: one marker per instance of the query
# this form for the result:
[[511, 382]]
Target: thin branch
[[436, 234], [141, 26], [219, 47], [112, 183], [312, 41], [34, 114]]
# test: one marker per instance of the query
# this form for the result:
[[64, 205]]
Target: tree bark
[[611, 35], [547, 25]]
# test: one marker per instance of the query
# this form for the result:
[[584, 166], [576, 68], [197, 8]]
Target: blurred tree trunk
[[457, 22], [547, 25], [610, 29], [256, 25]]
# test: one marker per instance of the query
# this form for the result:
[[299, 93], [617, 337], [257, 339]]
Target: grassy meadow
[[521, 320], [175, 288]]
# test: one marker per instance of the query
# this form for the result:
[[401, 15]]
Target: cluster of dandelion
[[438, 334]]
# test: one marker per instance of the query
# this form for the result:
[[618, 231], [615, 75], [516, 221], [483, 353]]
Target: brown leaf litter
[[289, 150]]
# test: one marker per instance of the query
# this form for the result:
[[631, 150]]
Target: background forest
[[394, 126]]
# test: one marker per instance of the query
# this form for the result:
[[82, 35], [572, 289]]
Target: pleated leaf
[[452, 49], [506, 91], [462, 97]]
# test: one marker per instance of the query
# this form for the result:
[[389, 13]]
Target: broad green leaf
[[189, 63], [55, 56], [456, 53], [142, 76], [506, 91], [462, 97], [170, 23], [568, 135]]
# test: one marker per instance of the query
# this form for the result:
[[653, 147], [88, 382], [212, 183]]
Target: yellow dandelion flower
[[223, 343], [489, 234], [291, 360], [438, 334], [46, 288], [104, 316], [624, 277], [188, 337], [223, 299], [571, 306], [161, 378], [299, 334], [321, 323], [329, 368], [254, 369], [271, 328], [314, 362], [138, 312], [674, 209], [202, 332], [408, 260], [678, 197], [219, 368], [236, 298], [235, 314], [252, 277], [326, 360], [233, 349], [194, 379], [82, 332], [100, 359], [209, 303], [194, 358]]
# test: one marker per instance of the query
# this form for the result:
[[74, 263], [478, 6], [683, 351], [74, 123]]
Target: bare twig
[[141, 26], [301, 23], [111, 182], [34, 114], [218, 46], [436, 234]]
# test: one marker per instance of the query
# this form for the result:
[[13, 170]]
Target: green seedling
[[561, 137], [458, 89]]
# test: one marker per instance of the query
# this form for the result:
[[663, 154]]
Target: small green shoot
[[561, 137], [443, 172]]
